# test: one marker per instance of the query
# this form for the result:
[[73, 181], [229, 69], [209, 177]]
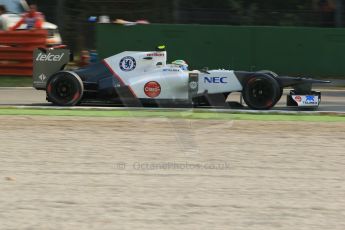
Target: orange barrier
[[16, 50]]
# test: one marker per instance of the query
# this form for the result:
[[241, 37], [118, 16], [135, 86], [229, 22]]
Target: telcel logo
[[49, 57], [215, 80]]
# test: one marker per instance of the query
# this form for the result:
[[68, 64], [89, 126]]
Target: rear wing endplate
[[46, 62]]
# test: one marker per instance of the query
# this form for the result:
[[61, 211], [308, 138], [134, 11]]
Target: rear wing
[[46, 62]]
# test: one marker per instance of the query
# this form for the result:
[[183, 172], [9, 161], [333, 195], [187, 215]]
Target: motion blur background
[[72, 16]]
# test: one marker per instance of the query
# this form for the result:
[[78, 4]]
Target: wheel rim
[[65, 89], [261, 93]]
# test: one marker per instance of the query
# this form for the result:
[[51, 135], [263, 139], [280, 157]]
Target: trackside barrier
[[292, 51], [16, 51]]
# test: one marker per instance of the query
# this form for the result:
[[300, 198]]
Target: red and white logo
[[298, 98], [152, 89], [155, 55]]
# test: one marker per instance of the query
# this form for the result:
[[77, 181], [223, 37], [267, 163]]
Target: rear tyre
[[261, 92], [65, 88]]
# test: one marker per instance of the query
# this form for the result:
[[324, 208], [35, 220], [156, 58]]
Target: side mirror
[[204, 70]]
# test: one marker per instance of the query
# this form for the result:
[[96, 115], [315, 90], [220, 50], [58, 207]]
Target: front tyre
[[65, 88], [261, 92]]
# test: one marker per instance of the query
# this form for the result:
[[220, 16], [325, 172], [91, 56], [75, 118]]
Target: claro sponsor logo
[[152, 89], [215, 80], [49, 57]]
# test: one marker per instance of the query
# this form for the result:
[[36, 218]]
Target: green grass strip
[[15, 81], [173, 114]]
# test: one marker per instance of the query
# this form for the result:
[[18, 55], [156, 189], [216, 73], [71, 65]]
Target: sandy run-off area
[[131, 173]]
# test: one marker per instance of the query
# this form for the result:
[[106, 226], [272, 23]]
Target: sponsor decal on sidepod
[[127, 64], [152, 89]]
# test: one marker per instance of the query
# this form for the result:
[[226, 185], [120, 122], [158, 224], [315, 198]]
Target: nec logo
[[49, 57], [215, 80]]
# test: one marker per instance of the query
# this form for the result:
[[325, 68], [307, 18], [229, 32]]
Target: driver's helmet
[[181, 63]]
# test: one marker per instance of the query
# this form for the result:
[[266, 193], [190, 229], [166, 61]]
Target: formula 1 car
[[144, 78]]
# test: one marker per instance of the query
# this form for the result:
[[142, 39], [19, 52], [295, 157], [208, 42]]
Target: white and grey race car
[[144, 79]]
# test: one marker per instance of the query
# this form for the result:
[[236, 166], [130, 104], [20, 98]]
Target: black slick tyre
[[65, 88], [261, 92]]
